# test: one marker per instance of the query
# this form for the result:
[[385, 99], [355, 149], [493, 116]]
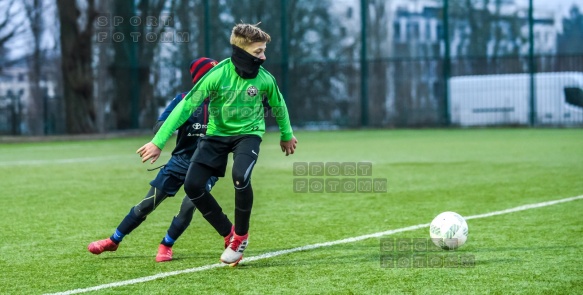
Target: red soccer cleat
[[229, 237], [164, 253], [234, 252], [100, 246]]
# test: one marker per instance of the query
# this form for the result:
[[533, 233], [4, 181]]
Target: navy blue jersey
[[192, 130]]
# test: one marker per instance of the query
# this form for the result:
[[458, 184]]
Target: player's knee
[[141, 212], [194, 188], [241, 172], [240, 181], [152, 199]]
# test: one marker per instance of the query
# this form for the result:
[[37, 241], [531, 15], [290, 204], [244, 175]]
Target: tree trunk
[[135, 106], [37, 108], [76, 67]]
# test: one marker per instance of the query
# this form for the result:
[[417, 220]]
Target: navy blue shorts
[[170, 178]]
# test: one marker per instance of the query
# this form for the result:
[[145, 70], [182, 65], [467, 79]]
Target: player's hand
[[288, 147], [149, 151]]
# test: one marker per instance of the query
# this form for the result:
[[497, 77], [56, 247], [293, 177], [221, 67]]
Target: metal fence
[[21, 117], [11, 114], [396, 63]]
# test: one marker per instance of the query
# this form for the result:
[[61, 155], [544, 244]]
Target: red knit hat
[[201, 66]]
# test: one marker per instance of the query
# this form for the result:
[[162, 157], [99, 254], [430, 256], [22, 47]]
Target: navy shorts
[[170, 178]]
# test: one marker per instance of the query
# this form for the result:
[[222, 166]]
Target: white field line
[[308, 247], [61, 161]]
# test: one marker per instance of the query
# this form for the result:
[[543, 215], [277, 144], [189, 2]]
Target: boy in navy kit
[[171, 177]]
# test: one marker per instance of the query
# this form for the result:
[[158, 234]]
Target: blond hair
[[245, 34]]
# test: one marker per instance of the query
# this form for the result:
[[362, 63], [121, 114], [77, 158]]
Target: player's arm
[[157, 126], [288, 141], [177, 117], [167, 112]]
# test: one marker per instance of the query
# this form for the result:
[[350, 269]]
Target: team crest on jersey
[[252, 91]]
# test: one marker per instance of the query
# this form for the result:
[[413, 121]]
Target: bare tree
[[379, 38], [135, 106], [33, 10], [76, 39], [485, 34], [188, 19], [104, 82], [11, 27], [570, 41]]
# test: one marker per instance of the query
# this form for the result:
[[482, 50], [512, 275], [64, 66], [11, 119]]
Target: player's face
[[257, 49]]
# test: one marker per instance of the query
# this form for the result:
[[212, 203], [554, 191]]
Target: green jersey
[[235, 107]]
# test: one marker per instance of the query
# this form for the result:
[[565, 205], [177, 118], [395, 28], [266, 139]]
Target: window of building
[[413, 31], [574, 96], [439, 32], [397, 31]]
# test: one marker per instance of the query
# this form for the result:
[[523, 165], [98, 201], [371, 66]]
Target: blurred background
[[100, 66]]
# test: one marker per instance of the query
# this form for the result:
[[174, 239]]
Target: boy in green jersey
[[237, 87]]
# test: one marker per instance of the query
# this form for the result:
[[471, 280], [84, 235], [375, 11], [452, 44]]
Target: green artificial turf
[[57, 197]]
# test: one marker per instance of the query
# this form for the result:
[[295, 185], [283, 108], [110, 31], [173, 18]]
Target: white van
[[505, 99]]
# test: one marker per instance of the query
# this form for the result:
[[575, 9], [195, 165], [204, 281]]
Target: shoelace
[[227, 241], [235, 243]]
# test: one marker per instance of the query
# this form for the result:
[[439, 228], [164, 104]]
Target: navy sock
[[168, 241], [117, 236]]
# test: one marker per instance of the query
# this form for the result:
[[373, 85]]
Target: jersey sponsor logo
[[197, 126], [252, 91], [196, 129]]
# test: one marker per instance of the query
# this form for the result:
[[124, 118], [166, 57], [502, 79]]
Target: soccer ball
[[448, 230]]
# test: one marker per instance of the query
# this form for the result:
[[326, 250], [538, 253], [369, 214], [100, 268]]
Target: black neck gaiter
[[246, 65]]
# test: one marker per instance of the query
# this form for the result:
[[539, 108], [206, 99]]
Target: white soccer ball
[[448, 230]]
